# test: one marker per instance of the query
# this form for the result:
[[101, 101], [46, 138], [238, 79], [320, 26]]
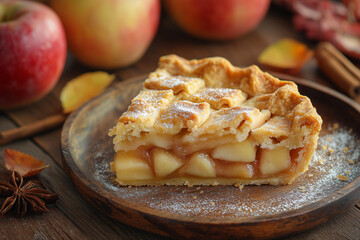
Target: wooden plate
[[218, 211]]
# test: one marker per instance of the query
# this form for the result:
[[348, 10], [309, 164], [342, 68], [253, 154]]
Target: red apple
[[217, 19], [32, 52], [108, 34]]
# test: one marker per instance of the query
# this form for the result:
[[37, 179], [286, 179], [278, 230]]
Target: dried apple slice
[[286, 54], [83, 88]]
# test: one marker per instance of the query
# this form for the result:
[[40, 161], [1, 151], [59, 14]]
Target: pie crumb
[[329, 138], [324, 147], [347, 172], [331, 151], [311, 175], [335, 126], [345, 149], [201, 192], [186, 183], [342, 178], [351, 161], [194, 197], [240, 186], [212, 203], [321, 161]]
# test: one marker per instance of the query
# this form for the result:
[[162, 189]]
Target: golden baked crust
[[211, 100]]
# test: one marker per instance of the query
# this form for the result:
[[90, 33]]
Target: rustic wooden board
[[256, 211]]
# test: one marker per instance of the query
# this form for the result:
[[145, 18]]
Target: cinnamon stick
[[32, 128], [339, 69]]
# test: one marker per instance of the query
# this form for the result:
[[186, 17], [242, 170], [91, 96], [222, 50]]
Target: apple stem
[[7, 13]]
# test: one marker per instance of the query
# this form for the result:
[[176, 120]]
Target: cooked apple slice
[[237, 170], [200, 164], [274, 160], [238, 152], [130, 167], [165, 162]]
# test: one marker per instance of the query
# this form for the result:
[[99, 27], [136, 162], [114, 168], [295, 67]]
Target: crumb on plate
[[240, 186], [342, 178], [351, 161]]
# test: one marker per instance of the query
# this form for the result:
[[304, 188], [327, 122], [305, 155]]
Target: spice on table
[[339, 69], [24, 197], [33, 128]]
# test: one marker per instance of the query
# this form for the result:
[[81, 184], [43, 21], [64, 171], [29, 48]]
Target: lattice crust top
[[212, 97], [182, 114], [219, 97], [176, 83]]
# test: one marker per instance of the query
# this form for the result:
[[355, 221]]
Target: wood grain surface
[[73, 217]]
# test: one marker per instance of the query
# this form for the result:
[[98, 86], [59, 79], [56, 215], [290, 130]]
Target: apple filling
[[240, 160], [204, 122]]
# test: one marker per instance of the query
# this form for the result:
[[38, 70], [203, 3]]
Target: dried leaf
[[286, 54], [22, 163], [83, 88]]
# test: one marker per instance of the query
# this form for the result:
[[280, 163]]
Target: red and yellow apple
[[217, 19], [108, 34], [32, 52]]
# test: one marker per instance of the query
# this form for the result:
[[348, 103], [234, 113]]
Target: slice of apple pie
[[206, 122]]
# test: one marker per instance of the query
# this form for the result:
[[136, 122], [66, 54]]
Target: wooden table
[[72, 217]]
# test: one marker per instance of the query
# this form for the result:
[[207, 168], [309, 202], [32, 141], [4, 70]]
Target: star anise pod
[[24, 196]]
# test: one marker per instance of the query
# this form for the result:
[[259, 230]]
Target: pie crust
[[206, 122]]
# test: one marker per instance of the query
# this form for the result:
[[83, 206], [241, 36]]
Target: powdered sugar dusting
[[175, 83], [340, 156], [218, 94], [337, 154]]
